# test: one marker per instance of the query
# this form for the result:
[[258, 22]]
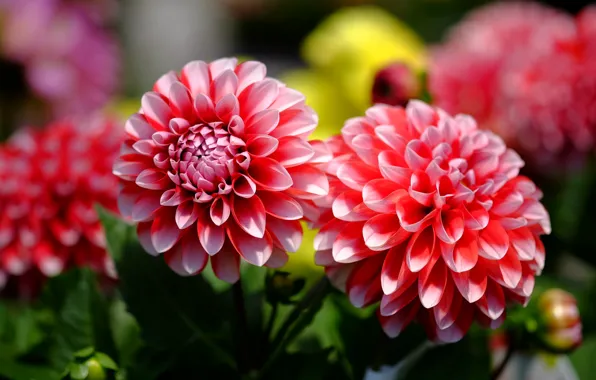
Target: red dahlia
[[429, 216], [217, 165], [52, 180]]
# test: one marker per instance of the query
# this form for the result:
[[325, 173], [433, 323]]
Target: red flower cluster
[[428, 215], [527, 72], [51, 181], [217, 165]]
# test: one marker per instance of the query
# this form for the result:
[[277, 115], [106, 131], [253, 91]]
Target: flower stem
[[292, 325], [499, 370], [241, 328]]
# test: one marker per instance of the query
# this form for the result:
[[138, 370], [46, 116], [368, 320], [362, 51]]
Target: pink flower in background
[[70, 61], [217, 166], [51, 181], [525, 71], [430, 217]]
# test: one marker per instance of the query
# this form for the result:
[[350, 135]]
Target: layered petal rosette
[[429, 216], [51, 181], [217, 165]]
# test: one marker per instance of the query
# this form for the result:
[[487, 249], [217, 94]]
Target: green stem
[[291, 326], [241, 328]]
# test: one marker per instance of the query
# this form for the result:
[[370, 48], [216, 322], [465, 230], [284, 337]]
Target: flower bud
[[395, 85], [281, 287], [96, 371], [559, 315]]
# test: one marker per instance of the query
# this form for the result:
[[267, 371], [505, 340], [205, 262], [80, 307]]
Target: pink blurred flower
[[217, 165], [523, 70], [51, 181], [71, 62], [430, 217]]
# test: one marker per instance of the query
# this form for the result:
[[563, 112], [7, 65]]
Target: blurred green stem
[[241, 328], [288, 330]]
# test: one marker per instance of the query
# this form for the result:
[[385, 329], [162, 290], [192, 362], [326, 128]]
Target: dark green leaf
[[171, 310], [584, 358], [85, 353], [125, 331], [78, 371], [105, 361], [466, 359], [19, 371], [117, 232], [82, 317], [307, 366]]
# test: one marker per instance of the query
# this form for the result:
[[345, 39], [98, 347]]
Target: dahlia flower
[[70, 61], [51, 180], [525, 71], [217, 165], [427, 214]]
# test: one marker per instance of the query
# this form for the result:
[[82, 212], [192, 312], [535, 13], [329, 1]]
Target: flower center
[[202, 159]]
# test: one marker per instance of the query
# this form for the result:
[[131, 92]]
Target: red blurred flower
[[71, 62], [217, 165], [527, 72], [430, 217], [51, 181], [395, 85]]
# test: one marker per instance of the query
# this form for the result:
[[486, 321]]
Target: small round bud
[[96, 371], [559, 315], [395, 85]]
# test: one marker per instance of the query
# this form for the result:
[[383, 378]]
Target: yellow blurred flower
[[346, 50]]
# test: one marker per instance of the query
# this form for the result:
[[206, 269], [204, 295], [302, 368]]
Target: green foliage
[[467, 359], [583, 358]]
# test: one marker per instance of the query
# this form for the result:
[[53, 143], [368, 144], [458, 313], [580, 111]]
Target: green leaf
[[19, 371], [85, 353], [125, 332], [466, 359], [584, 358], [20, 329], [78, 371], [82, 317], [306, 366], [117, 232], [106, 361], [171, 310]]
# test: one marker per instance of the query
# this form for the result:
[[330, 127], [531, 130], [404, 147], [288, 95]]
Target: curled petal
[[250, 215], [164, 231], [286, 233], [280, 205], [269, 174], [493, 241], [226, 265], [420, 250], [256, 251]]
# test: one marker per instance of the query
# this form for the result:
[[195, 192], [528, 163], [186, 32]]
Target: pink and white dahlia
[[525, 71], [70, 60], [51, 181], [430, 218], [217, 166]]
